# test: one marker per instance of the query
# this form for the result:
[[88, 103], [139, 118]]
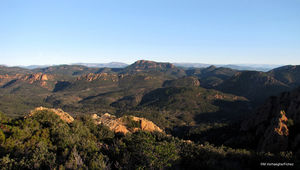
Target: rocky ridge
[[5, 78], [124, 124], [39, 78]]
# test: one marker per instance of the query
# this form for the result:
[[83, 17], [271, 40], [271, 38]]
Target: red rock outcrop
[[282, 128], [121, 125], [63, 115], [40, 78], [6, 78], [31, 78]]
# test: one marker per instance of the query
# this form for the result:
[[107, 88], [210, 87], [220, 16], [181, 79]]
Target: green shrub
[[130, 123], [2, 137]]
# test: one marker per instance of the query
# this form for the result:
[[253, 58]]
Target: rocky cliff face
[[31, 78], [5, 78], [39, 78], [275, 124]]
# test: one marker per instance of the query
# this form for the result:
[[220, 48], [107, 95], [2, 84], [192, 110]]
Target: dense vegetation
[[44, 141]]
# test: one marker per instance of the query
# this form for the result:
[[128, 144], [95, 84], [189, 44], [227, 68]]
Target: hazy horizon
[[238, 64]]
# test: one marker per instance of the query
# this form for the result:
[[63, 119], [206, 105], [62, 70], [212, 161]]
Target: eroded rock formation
[[124, 124]]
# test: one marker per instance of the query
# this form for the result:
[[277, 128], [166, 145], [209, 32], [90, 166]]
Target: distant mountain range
[[255, 67], [101, 65], [95, 65]]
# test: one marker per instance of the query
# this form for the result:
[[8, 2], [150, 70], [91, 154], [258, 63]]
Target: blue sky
[[203, 31]]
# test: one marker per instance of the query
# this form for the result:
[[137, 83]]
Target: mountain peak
[[146, 64], [210, 68]]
